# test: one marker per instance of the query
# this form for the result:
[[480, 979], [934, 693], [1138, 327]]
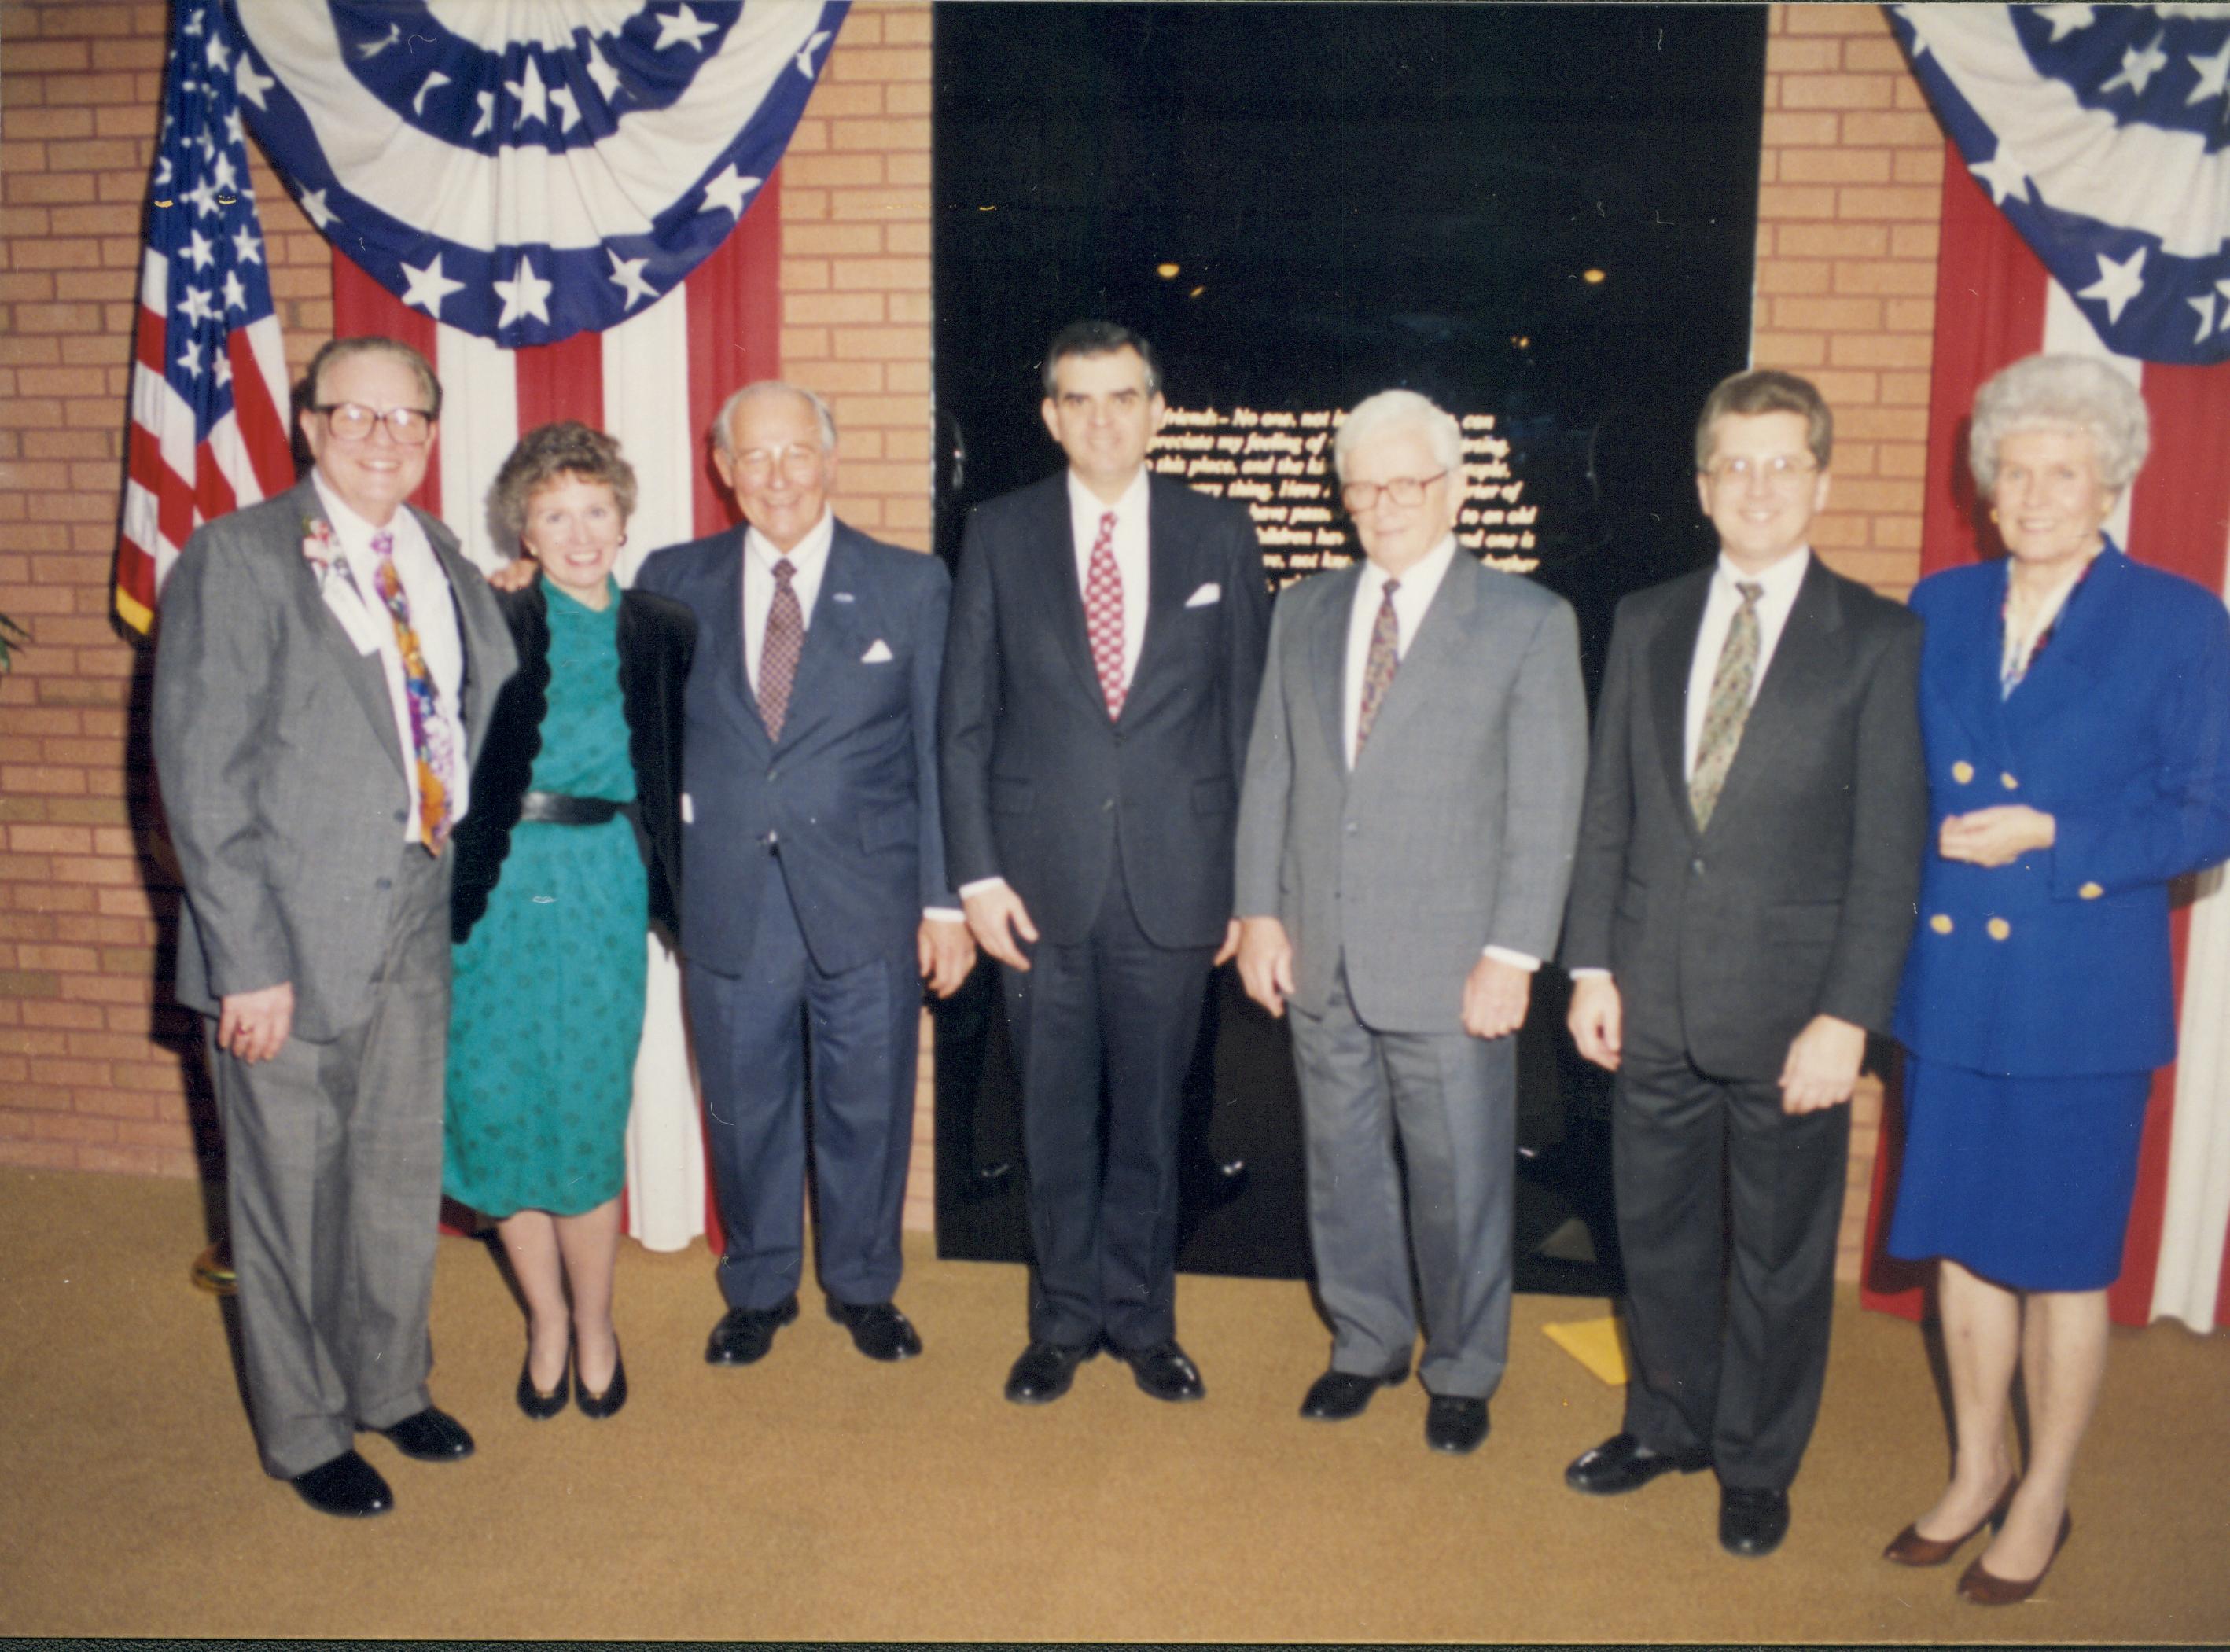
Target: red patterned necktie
[[433, 749], [1380, 664], [785, 640], [1103, 615]]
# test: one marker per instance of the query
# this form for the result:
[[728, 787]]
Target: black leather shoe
[[1752, 1520], [1622, 1463], [1044, 1371], [433, 1436], [345, 1485], [878, 1329], [1166, 1372], [1455, 1425], [1338, 1395], [743, 1335], [615, 1395], [533, 1400]]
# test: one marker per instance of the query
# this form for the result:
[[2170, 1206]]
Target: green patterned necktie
[[1728, 707]]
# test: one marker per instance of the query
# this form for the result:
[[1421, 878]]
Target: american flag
[[209, 378]]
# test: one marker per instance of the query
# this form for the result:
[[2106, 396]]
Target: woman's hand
[[516, 575], [1996, 836]]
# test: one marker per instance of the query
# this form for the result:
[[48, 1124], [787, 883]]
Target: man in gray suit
[[328, 664], [1405, 836]]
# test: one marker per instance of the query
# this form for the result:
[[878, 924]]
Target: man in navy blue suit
[[814, 886], [1107, 638]]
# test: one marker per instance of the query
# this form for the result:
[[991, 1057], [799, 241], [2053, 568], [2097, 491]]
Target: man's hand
[[1597, 1019], [1494, 998], [995, 917], [1229, 950], [947, 952], [1822, 1067], [1996, 836], [252, 1026], [1266, 962], [516, 575]]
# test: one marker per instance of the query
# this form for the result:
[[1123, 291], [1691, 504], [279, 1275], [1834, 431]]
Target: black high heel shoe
[[535, 1404], [615, 1395]]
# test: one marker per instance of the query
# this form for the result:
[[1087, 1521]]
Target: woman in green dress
[[571, 846]]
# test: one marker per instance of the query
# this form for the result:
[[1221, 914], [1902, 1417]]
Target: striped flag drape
[[208, 422], [1995, 303]]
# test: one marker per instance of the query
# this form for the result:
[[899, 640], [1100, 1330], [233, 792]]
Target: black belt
[[558, 809]]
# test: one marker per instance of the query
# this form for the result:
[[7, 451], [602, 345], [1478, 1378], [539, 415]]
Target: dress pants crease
[[1113, 1006], [333, 1187]]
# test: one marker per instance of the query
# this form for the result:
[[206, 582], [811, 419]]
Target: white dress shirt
[[433, 616], [1417, 589], [808, 562], [1780, 582], [1084, 510]]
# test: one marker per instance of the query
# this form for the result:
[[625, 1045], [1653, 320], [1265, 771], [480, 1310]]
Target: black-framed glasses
[[411, 427], [1405, 491]]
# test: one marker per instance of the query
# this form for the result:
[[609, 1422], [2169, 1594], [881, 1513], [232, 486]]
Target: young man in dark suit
[[1748, 856], [1105, 648]]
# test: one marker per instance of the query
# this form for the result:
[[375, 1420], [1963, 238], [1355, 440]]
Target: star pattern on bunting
[[2139, 65], [2118, 282], [627, 276], [2007, 177], [428, 286], [682, 27], [729, 191], [525, 294]]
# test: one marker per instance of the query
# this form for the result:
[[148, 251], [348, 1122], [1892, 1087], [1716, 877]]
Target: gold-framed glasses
[[793, 462], [1405, 491], [353, 421], [1779, 471]]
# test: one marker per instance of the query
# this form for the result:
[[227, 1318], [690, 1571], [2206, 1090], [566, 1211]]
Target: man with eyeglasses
[[1099, 675], [326, 665], [1748, 863], [1405, 837], [813, 881]]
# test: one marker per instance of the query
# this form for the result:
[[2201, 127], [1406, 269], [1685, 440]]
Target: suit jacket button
[[2092, 891], [386, 883], [774, 774], [2009, 783], [402, 818], [1941, 923], [1696, 866], [1108, 805], [2000, 929], [1962, 771]]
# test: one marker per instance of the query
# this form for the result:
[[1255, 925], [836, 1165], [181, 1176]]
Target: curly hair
[[2077, 393], [551, 453]]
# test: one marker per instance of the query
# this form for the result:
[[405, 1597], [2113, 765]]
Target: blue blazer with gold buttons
[[2058, 964]]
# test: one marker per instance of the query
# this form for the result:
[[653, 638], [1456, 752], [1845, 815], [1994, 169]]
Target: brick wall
[[91, 1070]]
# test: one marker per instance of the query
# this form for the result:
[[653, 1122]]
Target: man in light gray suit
[[1405, 836], [327, 667]]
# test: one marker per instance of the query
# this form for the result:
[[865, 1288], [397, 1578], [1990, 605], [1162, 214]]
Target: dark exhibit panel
[[1543, 218]]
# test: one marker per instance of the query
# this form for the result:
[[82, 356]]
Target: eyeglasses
[[411, 427], [1360, 496], [796, 462], [1778, 471]]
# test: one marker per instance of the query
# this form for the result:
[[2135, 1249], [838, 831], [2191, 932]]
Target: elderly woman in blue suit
[[2076, 709]]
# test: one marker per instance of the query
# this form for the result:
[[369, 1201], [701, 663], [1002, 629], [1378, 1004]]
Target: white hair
[[2074, 393], [761, 389], [1399, 409]]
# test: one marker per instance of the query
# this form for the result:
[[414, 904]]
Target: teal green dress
[[548, 1001]]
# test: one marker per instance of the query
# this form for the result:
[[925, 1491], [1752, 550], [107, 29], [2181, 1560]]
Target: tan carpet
[[818, 1495]]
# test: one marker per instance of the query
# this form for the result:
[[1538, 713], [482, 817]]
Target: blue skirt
[[2025, 1182]]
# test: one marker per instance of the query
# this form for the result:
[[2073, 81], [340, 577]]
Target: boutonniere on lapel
[[320, 548]]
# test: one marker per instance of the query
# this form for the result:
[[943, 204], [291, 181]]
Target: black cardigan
[[657, 635]]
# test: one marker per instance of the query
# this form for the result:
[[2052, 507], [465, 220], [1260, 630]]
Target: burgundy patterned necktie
[[1380, 664], [1103, 615], [785, 639]]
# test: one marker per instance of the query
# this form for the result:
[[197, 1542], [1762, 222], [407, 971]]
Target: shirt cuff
[[944, 915], [1517, 960], [1585, 973], [980, 886]]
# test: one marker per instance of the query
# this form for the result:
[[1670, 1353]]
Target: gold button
[[1941, 923], [1962, 771], [2092, 891], [2009, 783], [2000, 929]]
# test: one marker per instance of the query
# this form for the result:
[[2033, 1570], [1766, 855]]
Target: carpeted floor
[[820, 1496]]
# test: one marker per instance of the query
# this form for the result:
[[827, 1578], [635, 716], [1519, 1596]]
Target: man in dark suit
[[1749, 857], [327, 666], [813, 881], [1105, 648], [1405, 838]]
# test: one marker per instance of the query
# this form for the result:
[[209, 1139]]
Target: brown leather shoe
[[1986, 1587], [1909, 1548]]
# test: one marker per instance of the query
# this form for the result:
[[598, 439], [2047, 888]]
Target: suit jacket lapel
[[1807, 657], [1671, 655], [1328, 661], [2069, 666], [1449, 624], [365, 673], [722, 649], [1064, 595], [480, 626], [1169, 585]]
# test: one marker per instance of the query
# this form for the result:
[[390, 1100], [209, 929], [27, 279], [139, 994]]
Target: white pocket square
[[879, 654], [1210, 592]]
